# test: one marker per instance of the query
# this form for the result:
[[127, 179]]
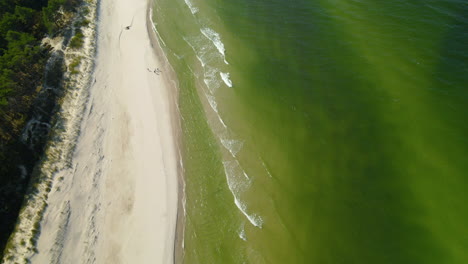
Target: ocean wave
[[212, 102], [265, 167], [254, 219], [192, 8], [153, 26], [226, 79], [222, 121], [236, 181], [237, 184], [233, 146], [211, 79], [242, 234], [200, 50], [214, 105], [216, 40], [177, 56]]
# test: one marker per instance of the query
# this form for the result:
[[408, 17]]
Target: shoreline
[[172, 77]]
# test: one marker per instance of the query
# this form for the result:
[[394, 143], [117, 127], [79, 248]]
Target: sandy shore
[[113, 197], [120, 203], [140, 188]]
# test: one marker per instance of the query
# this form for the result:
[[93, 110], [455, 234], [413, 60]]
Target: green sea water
[[343, 138]]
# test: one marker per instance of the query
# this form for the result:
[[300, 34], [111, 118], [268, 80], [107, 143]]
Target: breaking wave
[[242, 234], [211, 79], [232, 145], [226, 79], [216, 40], [192, 8], [238, 183]]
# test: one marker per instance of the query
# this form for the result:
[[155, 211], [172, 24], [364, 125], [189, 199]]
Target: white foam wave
[[222, 122], [242, 234], [192, 8], [237, 184], [200, 53], [212, 102], [153, 26], [226, 79], [216, 39], [177, 56], [211, 79], [204, 54], [254, 219], [235, 178], [266, 169], [232, 145]]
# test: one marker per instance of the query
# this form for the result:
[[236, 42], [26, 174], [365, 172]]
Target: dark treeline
[[23, 23]]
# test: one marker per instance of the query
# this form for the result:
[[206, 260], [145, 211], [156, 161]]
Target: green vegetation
[[56, 13], [23, 23], [82, 23], [75, 63], [77, 41]]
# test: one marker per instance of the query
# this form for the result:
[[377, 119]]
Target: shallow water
[[322, 131]]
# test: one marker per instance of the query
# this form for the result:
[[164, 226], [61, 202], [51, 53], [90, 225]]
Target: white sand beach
[[141, 182], [120, 204]]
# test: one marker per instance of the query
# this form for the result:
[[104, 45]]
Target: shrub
[[77, 41], [75, 63]]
